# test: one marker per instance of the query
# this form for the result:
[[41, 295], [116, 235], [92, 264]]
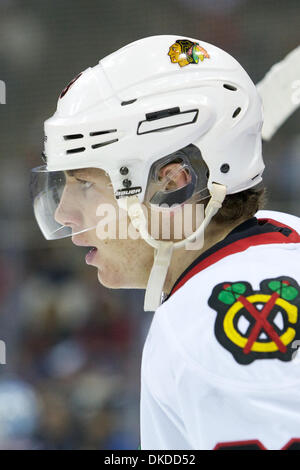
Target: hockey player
[[160, 125]]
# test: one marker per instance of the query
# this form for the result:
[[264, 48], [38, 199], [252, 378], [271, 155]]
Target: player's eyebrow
[[79, 171], [85, 173]]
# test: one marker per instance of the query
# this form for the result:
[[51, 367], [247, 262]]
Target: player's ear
[[174, 175]]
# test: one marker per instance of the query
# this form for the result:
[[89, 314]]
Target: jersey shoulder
[[287, 219], [237, 321]]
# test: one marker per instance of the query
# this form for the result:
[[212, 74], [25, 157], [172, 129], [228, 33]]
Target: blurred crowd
[[73, 357], [73, 348]]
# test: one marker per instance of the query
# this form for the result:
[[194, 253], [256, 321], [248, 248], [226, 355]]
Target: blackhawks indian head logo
[[184, 52], [257, 324]]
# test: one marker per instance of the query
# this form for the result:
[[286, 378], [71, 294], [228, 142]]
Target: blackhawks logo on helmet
[[257, 324], [185, 52]]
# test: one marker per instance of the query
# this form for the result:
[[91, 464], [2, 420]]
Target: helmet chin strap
[[164, 249]]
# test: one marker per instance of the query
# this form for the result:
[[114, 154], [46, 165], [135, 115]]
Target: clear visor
[[65, 203]]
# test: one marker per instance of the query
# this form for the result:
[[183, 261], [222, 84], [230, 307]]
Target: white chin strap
[[164, 249]]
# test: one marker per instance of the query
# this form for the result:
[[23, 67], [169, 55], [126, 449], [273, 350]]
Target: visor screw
[[127, 183], [124, 170], [225, 168]]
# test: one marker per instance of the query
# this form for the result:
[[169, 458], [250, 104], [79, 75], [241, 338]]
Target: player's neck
[[183, 258]]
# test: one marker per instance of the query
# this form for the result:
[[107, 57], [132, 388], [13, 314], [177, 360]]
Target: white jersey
[[220, 367]]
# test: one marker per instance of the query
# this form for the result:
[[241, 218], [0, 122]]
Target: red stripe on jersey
[[236, 444], [241, 245]]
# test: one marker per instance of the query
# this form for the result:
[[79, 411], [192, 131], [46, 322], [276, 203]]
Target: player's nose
[[67, 212]]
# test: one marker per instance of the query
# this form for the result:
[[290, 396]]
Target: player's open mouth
[[90, 255]]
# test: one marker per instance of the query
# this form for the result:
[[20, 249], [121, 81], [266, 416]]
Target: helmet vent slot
[[73, 136], [77, 150], [102, 144], [125, 103], [92, 134], [167, 119], [236, 112], [162, 114], [229, 87]]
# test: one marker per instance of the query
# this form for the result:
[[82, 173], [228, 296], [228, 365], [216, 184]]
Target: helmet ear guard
[[188, 161]]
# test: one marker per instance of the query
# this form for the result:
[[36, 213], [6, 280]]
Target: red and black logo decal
[[261, 324], [66, 89]]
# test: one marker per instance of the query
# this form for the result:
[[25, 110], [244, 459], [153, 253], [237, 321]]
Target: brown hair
[[241, 206]]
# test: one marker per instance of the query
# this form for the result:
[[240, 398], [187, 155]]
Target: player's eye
[[85, 184]]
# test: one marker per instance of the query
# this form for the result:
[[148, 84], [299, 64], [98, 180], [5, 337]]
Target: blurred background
[[73, 348]]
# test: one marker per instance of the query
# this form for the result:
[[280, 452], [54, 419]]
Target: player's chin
[[108, 278], [118, 280]]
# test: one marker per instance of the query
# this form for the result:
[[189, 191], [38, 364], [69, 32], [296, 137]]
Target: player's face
[[120, 262]]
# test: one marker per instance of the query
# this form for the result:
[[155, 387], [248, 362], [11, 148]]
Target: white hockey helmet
[[142, 103]]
